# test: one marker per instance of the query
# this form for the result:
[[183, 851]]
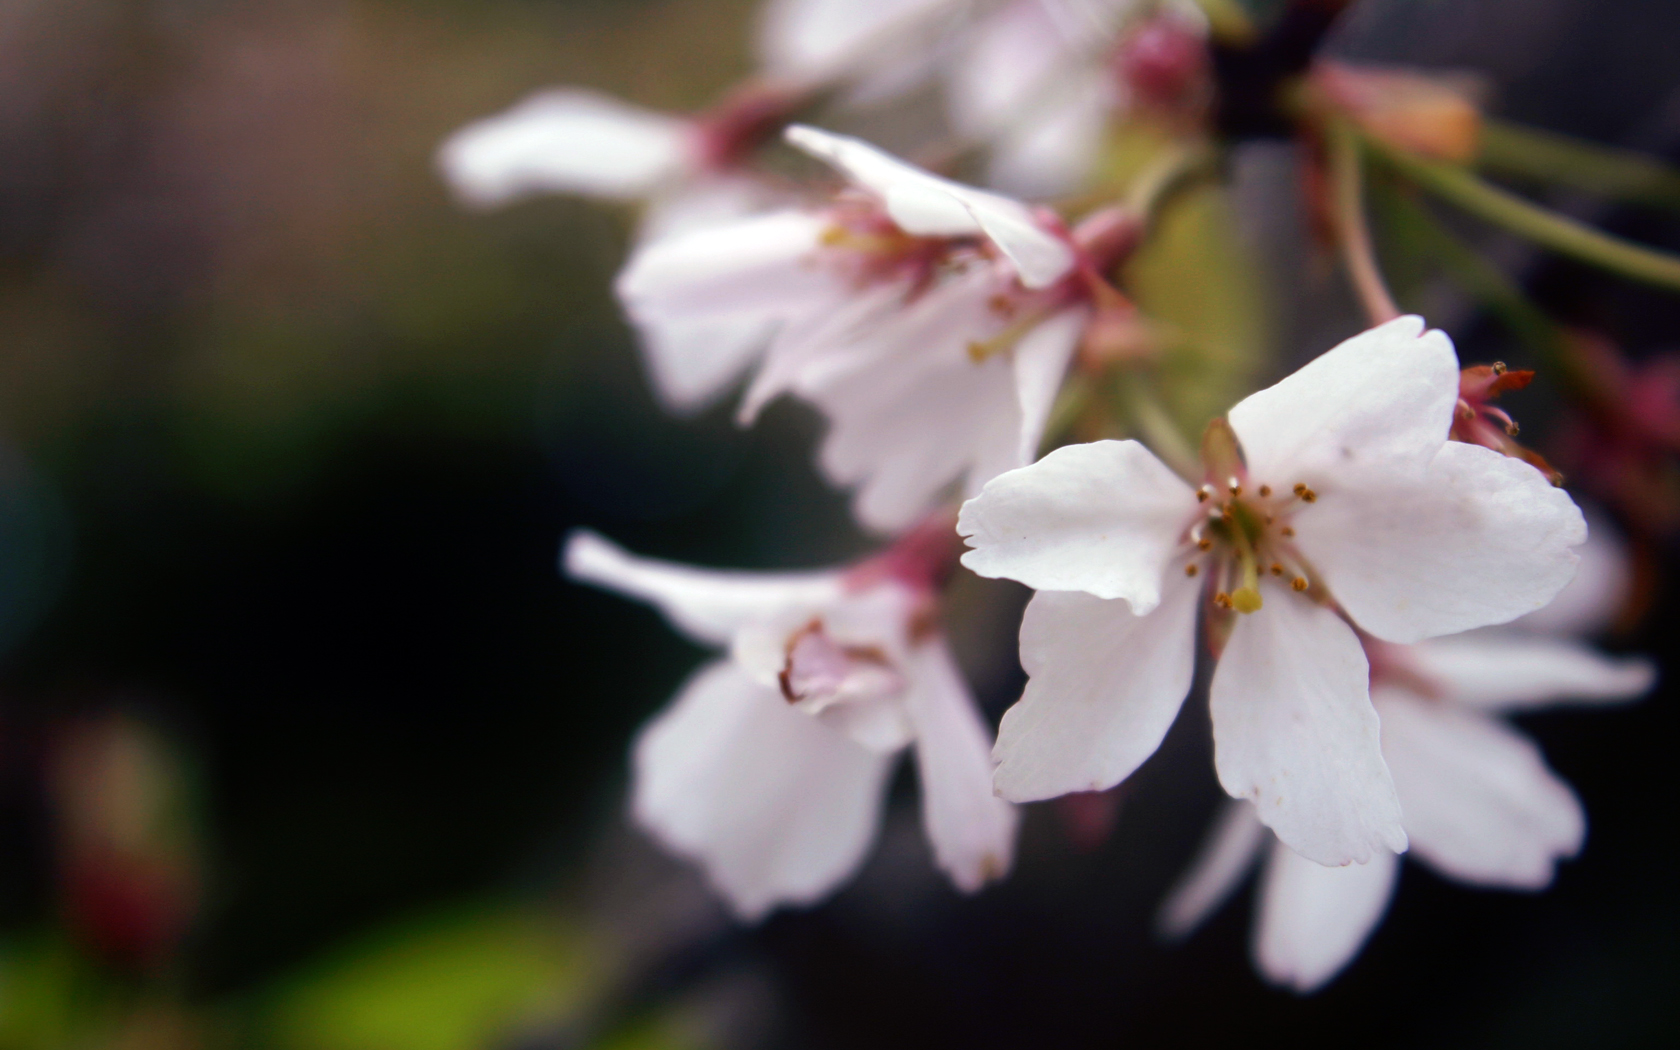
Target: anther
[[1499, 368], [1265, 490], [1234, 485], [1305, 494], [1222, 600], [1190, 570], [1203, 493], [1299, 583], [1277, 570], [1204, 544], [1288, 532]]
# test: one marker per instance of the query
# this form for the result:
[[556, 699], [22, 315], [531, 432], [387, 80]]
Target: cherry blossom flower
[[770, 767], [1332, 500], [1481, 806], [930, 322], [1040, 82]]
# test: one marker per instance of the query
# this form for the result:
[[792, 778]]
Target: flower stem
[[1155, 181], [1564, 161], [1468, 191], [1347, 180], [1144, 411]]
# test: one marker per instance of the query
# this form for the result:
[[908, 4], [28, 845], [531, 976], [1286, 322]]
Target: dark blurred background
[[288, 441]]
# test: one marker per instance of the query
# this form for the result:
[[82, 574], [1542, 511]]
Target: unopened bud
[[1432, 115]]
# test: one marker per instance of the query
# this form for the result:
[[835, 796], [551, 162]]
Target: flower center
[[1240, 535]]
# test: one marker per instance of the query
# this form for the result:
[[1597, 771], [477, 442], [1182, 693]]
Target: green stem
[[1503, 208], [1145, 412], [1155, 181], [1512, 149], [1347, 179], [1485, 282]]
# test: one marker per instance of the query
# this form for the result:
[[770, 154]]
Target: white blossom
[[770, 767], [930, 322], [1333, 500], [1480, 805]]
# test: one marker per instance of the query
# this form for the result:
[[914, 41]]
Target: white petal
[[1294, 730], [1481, 804], [910, 412], [819, 341], [1012, 53], [776, 808], [708, 605], [1224, 860], [567, 140], [1589, 602], [1023, 85], [691, 363], [1054, 153], [927, 205], [816, 39], [1103, 688], [1041, 359], [1477, 539], [972, 830], [1105, 518], [760, 267], [1313, 920], [1383, 399], [1507, 671], [702, 201]]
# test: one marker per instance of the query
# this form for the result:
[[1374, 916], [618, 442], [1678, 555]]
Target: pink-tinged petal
[[1041, 360], [1103, 688], [1026, 84], [1227, 855], [691, 363], [816, 39], [1106, 518], [1381, 401], [1055, 153], [1477, 539], [1481, 805], [1294, 731], [759, 267], [702, 201], [929, 206], [910, 412], [776, 808], [823, 341], [567, 140], [972, 830], [706, 604], [1507, 671], [1313, 920]]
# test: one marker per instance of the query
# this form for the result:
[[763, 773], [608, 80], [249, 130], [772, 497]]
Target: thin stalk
[[1564, 161], [1468, 191], [1353, 233], [1162, 175], [1143, 409]]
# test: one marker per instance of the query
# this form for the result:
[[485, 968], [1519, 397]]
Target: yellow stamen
[[1299, 583]]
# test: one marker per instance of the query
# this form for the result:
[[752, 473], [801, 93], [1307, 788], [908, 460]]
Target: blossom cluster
[[1361, 552]]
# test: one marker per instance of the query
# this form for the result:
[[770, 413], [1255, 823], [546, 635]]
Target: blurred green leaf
[[1195, 278], [463, 980], [52, 996]]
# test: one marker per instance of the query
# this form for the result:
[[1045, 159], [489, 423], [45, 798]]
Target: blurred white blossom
[[770, 767], [930, 322]]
